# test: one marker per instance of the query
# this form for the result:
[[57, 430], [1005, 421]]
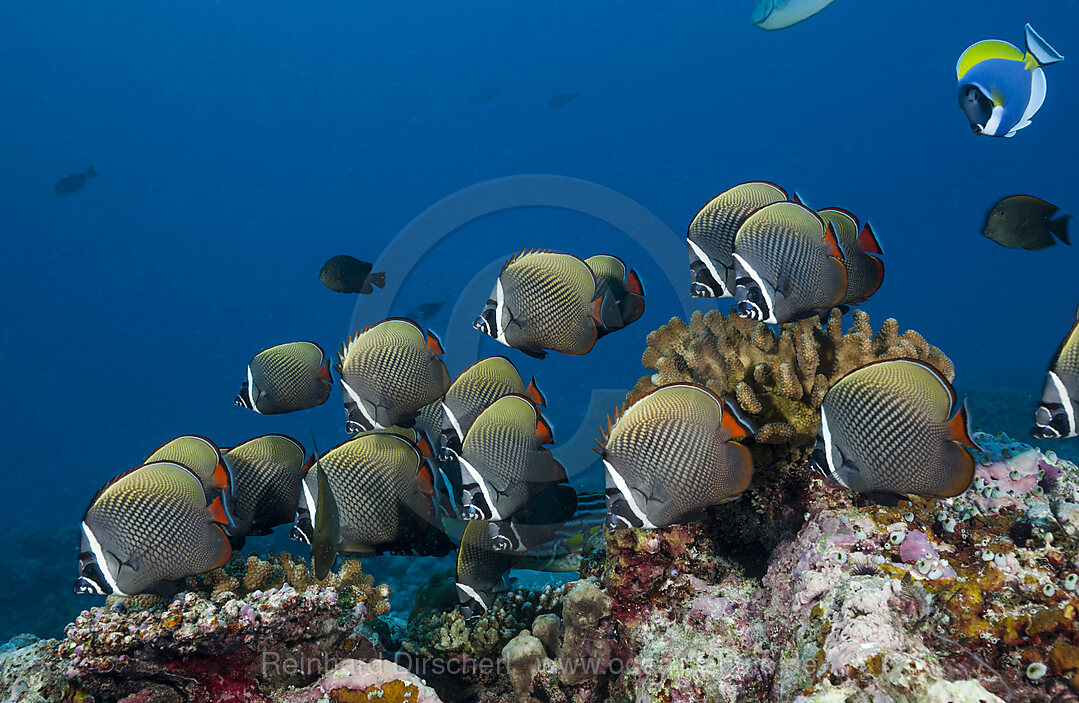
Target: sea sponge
[[524, 656], [585, 605], [778, 380]]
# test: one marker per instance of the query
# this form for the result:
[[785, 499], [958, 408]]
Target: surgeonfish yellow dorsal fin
[[984, 51]]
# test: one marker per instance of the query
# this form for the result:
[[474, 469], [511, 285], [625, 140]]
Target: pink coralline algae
[[354, 680]]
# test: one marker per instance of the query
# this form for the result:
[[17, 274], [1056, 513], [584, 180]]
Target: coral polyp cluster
[[779, 380], [222, 637]]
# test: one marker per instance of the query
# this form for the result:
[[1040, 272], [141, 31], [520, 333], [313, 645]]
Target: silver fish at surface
[[780, 14]]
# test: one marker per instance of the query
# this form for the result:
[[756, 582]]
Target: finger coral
[[240, 577], [779, 380]]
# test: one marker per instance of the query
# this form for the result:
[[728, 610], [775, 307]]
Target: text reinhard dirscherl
[[276, 664]]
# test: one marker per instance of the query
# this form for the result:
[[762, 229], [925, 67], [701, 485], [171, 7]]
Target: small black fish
[[562, 99], [73, 182], [481, 98], [425, 311], [1022, 222], [346, 274]]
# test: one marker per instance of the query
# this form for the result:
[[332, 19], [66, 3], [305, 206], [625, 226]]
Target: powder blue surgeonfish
[[779, 14], [1001, 87]]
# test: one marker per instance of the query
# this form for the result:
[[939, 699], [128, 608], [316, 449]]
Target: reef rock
[[231, 649], [33, 673]]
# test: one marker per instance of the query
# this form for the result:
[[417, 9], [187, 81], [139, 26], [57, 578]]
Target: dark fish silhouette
[[73, 182], [346, 274], [481, 98], [425, 311], [562, 99], [1022, 222]]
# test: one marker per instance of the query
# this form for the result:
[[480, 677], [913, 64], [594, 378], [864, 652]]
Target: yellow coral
[[779, 380]]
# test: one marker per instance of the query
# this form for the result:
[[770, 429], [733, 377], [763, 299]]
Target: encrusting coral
[[780, 381], [212, 638]]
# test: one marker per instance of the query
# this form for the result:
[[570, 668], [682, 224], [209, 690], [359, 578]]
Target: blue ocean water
[[240, 145]]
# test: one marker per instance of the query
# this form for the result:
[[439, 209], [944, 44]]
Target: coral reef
[[211, 644], [354, 681], [241, 577], [33, 673], [441, 633], [524, 656], [780, 381]]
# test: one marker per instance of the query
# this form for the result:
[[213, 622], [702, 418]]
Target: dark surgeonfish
[[670, 455], [788, 265], [503, 461], [1001, 87], [486, 95], [543, 300], [267, 472], [73, 182], [389, 372], [862, 254], [346, 274], [892, 428], [384, 494], [621, 293], [474, 390], [1056, 413], [425, 311], [1022, 222], [286, 378], [202, 457], [711, 236], [149, 528], [562, 99], [481, 571]]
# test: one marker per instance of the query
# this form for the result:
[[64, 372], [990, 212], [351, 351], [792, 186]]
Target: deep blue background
[[242, 144]]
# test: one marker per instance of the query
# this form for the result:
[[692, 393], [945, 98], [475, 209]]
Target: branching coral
[[437, 634], [241, 577], [780, 380]]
